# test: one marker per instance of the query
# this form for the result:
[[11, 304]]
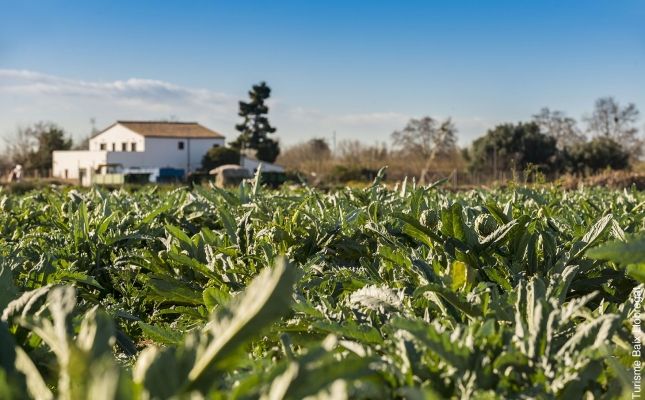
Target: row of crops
[[412, 292]]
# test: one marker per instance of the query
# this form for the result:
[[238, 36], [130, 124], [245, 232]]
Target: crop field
[[375, 293]]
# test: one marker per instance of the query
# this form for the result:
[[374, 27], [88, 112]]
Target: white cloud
[[145, 92], [28, 96]]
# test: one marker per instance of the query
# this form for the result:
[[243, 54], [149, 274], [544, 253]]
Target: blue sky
[[361, 68]]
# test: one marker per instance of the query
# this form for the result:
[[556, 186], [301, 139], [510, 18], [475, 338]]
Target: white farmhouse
[[139, 144]]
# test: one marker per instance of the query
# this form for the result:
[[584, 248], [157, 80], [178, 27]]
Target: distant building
[[139, 144]]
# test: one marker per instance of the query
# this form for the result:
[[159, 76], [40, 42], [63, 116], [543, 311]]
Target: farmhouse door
[[83, 177]]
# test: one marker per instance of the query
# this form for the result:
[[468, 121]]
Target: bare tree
[[445, 140], [5, 165], [311, 157], [557, 125], [611, 120], [21, 146], [416, 138], [355, 153], [32, 146], [423, 142], [426, 138]]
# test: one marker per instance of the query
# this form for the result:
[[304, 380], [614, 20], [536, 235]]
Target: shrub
[[598, 154], [342, 174], [514, 146], [218, 156]]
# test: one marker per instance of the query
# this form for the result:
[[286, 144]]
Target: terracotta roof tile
[[169, 129]]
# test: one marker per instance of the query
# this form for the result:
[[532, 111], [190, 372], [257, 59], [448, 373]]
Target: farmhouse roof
[[168, 129]]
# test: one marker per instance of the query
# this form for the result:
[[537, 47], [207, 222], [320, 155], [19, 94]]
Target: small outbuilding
[[230, 175]]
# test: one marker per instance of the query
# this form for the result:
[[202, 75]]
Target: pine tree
[[255, 129]]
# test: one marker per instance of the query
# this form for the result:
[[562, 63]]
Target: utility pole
[[93, 124]]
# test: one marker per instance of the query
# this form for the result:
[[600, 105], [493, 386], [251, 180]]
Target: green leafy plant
[[415, 292]]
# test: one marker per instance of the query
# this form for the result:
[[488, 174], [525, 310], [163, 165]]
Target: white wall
[[165, 152], [199, 147], [116, 136], [72, 161]]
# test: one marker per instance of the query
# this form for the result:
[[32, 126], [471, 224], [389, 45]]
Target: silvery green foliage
[[357, 293]]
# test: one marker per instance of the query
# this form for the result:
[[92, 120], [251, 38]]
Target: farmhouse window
[[102, 146], [124, 146], [133, 146], [180, 145], [113, 146]]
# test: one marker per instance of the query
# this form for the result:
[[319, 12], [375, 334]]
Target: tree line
[[32, 148], [554, 143], [551, 143]]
